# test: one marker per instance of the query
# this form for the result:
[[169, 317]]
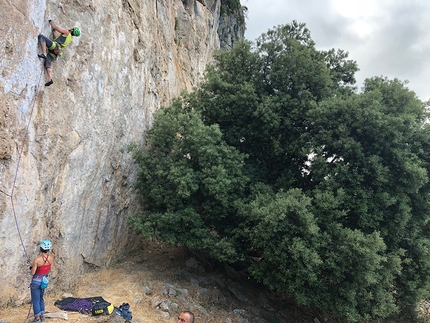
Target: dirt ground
[[125, 281], [150, 269]]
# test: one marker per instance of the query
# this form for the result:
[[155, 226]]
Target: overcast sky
[[385, 37]]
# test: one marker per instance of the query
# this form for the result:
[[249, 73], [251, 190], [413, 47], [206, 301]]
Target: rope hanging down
[[11, 195]]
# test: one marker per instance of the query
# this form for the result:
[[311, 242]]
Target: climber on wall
[[52, 49]]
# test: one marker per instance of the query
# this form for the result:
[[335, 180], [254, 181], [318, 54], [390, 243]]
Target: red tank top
[[43, 270]]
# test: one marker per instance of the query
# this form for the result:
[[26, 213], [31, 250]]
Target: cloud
[[386, 37]]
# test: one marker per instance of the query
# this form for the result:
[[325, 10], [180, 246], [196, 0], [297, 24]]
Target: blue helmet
[[46, 245]]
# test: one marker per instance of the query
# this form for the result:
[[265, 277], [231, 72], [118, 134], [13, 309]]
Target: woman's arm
[[33, 267], [65, 32]]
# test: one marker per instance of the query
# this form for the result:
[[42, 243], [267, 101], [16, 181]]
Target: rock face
[[64, 172]]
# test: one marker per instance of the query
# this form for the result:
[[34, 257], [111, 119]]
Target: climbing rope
[[11, 195]]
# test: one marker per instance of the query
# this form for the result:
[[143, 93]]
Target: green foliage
[[230, 6], [234, 8], [260, 99], [283, 232], [276, 162], [188, 180], [274, 319], [337, 268]]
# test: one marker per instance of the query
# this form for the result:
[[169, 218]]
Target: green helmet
[[76, 31]]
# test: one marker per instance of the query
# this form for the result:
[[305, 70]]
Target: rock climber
[[40, 269], [52, 49], [186, 317]]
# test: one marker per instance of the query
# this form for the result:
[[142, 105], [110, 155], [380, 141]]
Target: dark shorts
[[49, 58]]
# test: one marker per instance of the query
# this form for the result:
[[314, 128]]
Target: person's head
[[45, 246], [186, 317], [75, 31]]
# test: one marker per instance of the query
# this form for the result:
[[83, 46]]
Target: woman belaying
[[40, 269]]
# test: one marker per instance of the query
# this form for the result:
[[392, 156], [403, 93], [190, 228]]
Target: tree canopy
[[278, 162]]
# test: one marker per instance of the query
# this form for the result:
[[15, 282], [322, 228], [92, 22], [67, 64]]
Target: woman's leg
[[49, 72], [36, 295], [42, 301], [45, 43]]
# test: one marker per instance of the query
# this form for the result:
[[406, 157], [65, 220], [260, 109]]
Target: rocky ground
[[159, 281]]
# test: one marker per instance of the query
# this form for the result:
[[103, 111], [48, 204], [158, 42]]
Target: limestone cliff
[[64, 173]]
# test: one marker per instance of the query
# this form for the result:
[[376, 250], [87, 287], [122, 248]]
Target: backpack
[[124, 312]]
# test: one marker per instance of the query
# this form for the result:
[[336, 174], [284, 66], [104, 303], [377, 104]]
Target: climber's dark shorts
[[49, 59]]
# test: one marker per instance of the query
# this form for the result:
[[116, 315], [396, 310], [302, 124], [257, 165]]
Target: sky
[[385, 37]]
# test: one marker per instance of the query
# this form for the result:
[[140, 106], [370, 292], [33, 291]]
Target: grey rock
[[238, 291], [101, 101], [113, 319], [258, 320], [182, 291], [192, 263], [147, 291], [165, 306], [194, 281], [203, 294], [239, 312], [174, 307], [155, 302], [165, 315], [169, 290]]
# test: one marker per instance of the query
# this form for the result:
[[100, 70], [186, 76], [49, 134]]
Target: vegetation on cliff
[[277, 163], [228, 6]]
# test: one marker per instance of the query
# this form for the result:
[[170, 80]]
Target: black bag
[[100, 308]]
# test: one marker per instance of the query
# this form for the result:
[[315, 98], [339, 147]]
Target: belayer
[[51, 49], [40, 269]]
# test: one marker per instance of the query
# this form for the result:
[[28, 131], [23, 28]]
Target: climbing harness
[[55, 50]]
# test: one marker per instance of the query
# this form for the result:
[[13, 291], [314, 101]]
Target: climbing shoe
[[49, 83], [41, 56], [34, 321]]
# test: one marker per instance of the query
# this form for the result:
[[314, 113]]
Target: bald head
[[186, 317]]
